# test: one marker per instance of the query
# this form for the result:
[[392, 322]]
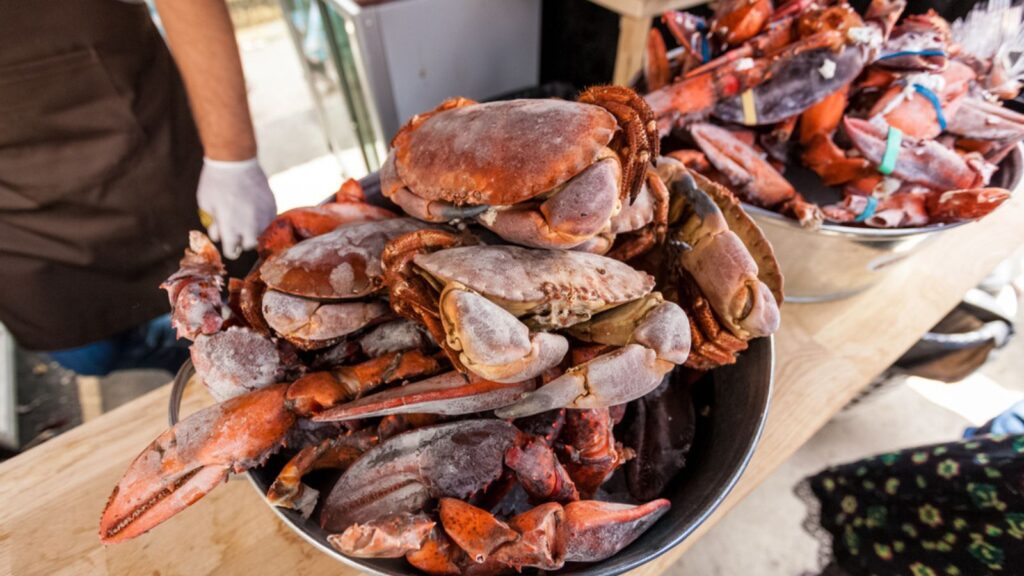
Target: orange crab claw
[[959, 205], [747, 173], [656, 67], [184, 463], [549, 535], [451, 393]]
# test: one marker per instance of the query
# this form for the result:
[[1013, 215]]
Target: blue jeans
[[149, 345]]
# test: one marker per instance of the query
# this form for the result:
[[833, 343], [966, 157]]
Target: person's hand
[[235, 203]]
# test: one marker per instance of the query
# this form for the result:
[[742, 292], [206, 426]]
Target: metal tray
[[735, 400]]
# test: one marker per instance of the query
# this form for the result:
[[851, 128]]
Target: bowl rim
[[187, 370]]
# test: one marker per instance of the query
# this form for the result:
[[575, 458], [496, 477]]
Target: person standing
[[103, 171]]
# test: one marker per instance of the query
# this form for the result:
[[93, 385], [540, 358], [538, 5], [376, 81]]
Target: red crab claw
[[924, 162], [336, 453], [184, 463], [451, 393], [746, 172], [959, 205], [194, 290], [406, 472], [390, 537], [589, 449], [549, 535], [539, 472]]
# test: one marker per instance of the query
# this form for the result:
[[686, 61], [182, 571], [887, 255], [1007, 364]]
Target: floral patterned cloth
[[948, 509]]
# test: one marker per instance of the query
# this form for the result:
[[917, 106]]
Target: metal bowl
[[733, 403], [839, 261]]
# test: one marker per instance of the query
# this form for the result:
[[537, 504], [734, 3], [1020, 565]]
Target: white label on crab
[[744, 64], [864, 35], [828, 69]]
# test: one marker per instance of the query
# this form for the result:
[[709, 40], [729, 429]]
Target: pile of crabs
[[461, 367], [905, 116]]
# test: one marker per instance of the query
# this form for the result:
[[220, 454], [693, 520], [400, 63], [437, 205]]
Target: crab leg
[[184, 463], [319, 390], [339, 453], [451, 393]]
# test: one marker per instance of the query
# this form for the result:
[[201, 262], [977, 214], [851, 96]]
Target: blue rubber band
[[869, 210], [892, 150], [912, 53], [936, 103], [705, 49]]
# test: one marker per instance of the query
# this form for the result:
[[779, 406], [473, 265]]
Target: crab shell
[[550, 288], [466, 155], [340, 265]]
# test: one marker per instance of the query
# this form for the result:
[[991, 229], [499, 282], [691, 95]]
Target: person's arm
[[235, 201], [202, 40]]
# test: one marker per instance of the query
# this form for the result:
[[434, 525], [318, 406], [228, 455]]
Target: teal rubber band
[[936, 103], [869, 210], [892, 150]]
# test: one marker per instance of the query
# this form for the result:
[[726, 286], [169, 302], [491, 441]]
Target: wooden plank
[[646, 8], [51, 497], [629, 56]]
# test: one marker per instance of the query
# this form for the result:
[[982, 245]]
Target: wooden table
[[51, 497], [635, 18]]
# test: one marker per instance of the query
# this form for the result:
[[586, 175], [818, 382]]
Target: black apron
[[99, 161]]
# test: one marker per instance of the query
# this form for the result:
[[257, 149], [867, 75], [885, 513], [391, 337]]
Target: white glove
[[235, 203]]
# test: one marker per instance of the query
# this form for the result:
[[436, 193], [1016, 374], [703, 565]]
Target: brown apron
[[99, 161]]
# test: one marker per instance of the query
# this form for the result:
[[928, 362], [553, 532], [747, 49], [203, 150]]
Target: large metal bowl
[[732, 402], [839, 261]]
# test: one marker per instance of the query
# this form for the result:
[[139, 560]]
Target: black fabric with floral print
[[948, 509]]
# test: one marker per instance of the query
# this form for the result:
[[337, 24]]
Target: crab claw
[[549, 535], [959, 205], [184, 463], [406, 472], [539, 472], [617, 377], [451, 393], [492, 342], [748, 174], [390, 537], [743, 301], [737, 21], [981, 120], [924, 162]]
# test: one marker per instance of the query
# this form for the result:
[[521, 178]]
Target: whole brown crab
[[540, 173]]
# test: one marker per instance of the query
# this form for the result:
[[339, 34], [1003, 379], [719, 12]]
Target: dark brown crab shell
[[466, 154], [539, 282]]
